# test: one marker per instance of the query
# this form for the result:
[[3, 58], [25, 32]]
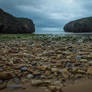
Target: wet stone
[[78, 57], [29, 76], [24, 69], [65, 73], [90, 63], [6, 75], [15, 87], [1, 81], [3, 85], [55, 88], [16, 80], [89, 71], [84, 60], [54, 70], [36, 82]]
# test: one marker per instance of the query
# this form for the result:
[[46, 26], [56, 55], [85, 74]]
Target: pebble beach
[[46, 63]]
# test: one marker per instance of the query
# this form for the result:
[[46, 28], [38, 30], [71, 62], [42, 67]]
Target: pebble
[[29, 76], [36, 82], [1, 70], [54, 70], [24, 69], [89, 57], [6, 75], [16, 87], [89, 71], [84, 60], [65, 73], [44, 63], [1, 81], [55, 88], [78, 57], [3, 85], [16, 80], [81, 71], [90, 63]]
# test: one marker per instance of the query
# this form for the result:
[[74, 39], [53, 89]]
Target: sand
[[81, 86]]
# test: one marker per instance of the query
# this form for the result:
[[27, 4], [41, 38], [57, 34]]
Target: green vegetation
[[43, 37], [16, 36]]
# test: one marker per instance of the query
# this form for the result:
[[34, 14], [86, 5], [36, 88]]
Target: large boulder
[[79, 26], [12, 25]]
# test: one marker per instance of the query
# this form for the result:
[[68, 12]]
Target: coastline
[[57, 31]]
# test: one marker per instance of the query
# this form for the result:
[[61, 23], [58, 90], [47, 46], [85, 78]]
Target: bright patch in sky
[[71, 1]]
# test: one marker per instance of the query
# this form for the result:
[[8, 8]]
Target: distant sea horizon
[[57, 31], [48, 30]]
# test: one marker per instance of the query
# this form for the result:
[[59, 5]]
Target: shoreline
[[58, 32]]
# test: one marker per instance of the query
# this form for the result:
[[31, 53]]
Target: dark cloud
[[48, 13]]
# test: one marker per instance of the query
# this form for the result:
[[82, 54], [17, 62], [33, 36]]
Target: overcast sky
[[49, 13]]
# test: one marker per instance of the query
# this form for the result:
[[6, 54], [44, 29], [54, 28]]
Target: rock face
[[79, 26], [10, 24]]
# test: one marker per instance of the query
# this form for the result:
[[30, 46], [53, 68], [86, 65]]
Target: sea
[[58, 31]]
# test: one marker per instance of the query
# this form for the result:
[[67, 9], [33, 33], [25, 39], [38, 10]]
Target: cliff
[[79, 26], [13, 25]]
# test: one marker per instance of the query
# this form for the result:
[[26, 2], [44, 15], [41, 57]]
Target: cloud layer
[[48, 13]]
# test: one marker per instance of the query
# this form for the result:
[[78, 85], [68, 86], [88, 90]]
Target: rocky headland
[[83, 25], [13, 25]]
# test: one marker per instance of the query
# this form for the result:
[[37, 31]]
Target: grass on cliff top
[[42, 37]]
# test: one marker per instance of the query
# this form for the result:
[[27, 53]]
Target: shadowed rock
[[6, 75], [10, 24], [79, 26]]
